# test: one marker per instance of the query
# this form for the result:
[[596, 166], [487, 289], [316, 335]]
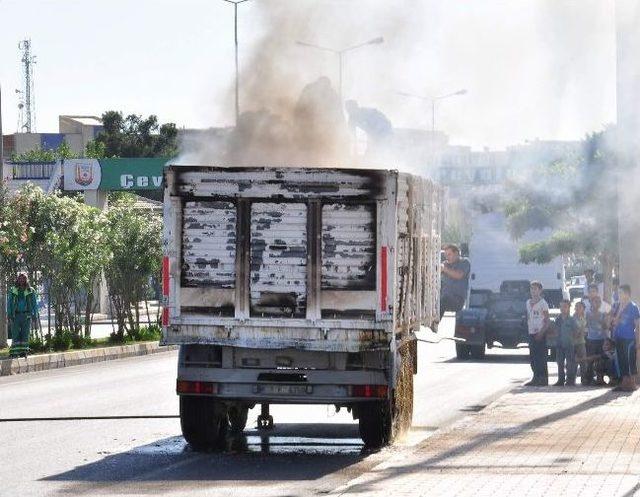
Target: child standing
[[566, 327], [579, 341]]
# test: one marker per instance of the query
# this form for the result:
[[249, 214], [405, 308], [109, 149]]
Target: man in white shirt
[[538, 323], [593, 292]]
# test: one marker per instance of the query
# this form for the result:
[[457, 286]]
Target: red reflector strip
[[165, 276], [165, 316], [198, 387], [383, 279], [375, 391]]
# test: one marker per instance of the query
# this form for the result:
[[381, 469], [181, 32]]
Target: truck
[[495, 312], [297, 286]]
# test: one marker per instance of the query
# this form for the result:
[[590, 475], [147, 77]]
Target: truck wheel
[[202, 421], [462, 351], [238, 418], [374, 423], [477, 352]]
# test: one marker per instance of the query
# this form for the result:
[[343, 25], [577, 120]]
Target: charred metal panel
[[292, 183], [348, 246], [278, 259], [209, 244]]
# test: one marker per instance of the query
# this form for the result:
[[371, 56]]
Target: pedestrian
[[589, 279], [538, 324], [626, 328], [21, 309], [579, 340], [455, 280], [615, 291], [596, 335], [594, 291], [567, 328]]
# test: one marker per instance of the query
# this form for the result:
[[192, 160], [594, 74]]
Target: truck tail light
[[165, 290], [165, 316], [165, 276], [383, 279], [370, 391], [198, 387]]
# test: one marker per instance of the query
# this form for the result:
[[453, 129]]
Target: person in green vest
[[21, 309]]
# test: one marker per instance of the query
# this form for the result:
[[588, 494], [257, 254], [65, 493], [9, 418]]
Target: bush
[[62, 340], [148, 333], [36, 344]]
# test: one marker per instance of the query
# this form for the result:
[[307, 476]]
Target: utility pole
[[341, 53], [3, 281], [235, 37], [28, 123]]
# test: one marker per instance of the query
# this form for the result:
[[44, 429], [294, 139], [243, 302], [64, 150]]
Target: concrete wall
[[628, 136]]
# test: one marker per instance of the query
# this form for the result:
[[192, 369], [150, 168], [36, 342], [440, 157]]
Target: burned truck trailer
[[299, 286]]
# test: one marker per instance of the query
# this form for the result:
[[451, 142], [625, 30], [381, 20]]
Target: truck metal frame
[[297, 285]]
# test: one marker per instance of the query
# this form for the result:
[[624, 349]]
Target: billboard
[[114, 174]]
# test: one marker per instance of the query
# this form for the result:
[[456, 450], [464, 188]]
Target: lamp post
[[3, 298], [235, 37], [341, 53], [433, 101]]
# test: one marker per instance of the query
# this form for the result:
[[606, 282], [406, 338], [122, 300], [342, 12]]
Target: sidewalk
[[533, 442]]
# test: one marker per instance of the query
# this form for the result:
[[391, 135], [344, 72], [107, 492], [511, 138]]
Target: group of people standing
[[599, 340]]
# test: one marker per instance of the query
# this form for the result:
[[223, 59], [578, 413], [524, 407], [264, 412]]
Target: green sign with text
[[113, 174]]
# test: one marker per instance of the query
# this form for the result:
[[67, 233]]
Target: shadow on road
[[490, 358], [288, 452]]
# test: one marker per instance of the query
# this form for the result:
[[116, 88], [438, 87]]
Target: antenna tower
[[27, 104]]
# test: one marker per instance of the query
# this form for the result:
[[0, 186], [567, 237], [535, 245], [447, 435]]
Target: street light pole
[[3, 286], [433, 101], [235, 38], [341, 53]]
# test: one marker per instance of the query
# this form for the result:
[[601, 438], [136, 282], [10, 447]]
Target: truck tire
[[462, 351], [374, 423], [238, 418], [477, 352], [203, 423]]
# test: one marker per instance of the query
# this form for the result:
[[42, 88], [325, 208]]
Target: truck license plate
[[286, 389]]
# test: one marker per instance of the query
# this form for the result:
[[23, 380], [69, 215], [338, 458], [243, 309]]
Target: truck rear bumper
[[278, 386]]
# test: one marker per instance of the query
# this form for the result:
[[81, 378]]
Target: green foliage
[[135, 254], [134, 136], [67, 245], [38, 155], [62, 340], [574, 197], [95, 150]]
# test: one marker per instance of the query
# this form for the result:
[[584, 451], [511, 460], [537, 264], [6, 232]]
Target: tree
[[135, 254], [60, 242], [38, 155], [577, 198], [133, 136]]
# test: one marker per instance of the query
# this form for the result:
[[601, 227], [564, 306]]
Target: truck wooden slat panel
[[348, 246], [292, 182], [278, 260], [209, 244]]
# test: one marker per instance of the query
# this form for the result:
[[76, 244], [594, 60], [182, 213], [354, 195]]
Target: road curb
[[78, 357]]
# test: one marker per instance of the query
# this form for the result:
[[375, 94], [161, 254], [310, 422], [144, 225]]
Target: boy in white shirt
[[538, 323]]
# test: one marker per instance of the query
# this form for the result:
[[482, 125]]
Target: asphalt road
[[62, 447]]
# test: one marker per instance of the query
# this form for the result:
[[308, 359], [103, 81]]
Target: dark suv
[[492, 318]]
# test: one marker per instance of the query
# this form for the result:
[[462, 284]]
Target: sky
[[533, 69]]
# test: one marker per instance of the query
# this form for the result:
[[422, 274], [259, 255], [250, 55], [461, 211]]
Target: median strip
[[43, 362]]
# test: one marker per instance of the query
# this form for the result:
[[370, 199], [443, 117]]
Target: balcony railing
[[32, 170]]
